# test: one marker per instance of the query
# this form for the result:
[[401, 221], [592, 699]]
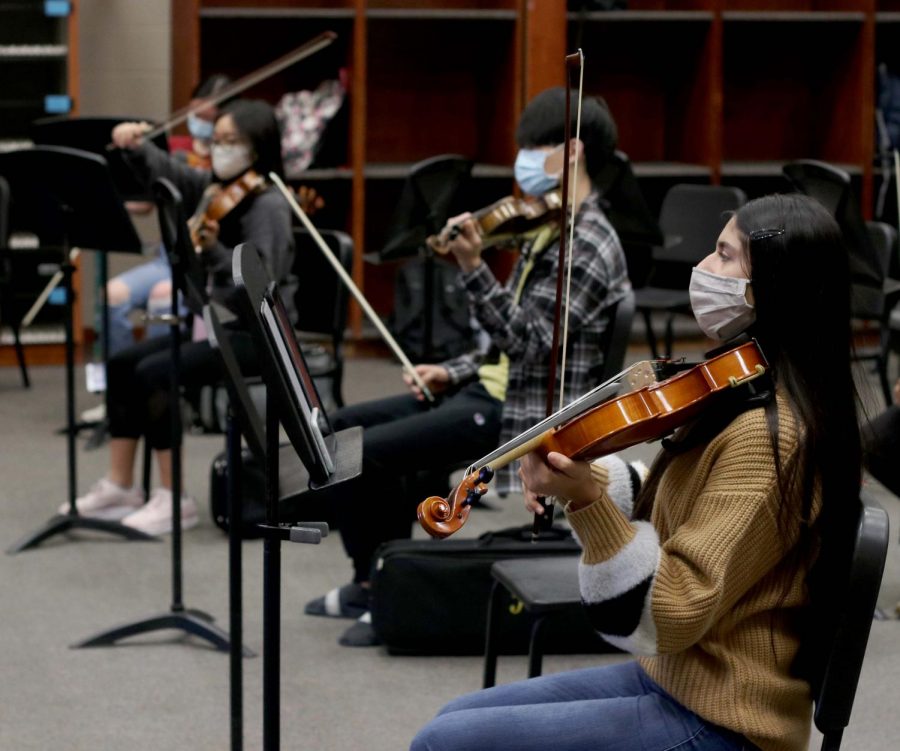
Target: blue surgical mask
[[199, 128], [530, 173]]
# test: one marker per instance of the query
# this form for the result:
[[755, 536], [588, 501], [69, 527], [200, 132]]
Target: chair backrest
[[884, 242], [691, 218], [321, 298], [245, 410], [617, 336], [624, 205], [854, 609], [832, 187]]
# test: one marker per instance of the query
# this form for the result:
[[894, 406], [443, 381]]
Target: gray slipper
[[349, 601], [360, 634]]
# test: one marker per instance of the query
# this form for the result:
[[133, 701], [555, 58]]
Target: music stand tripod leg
[[72, 520], [194, 622]]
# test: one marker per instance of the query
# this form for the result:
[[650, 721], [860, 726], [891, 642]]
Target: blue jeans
[[139, 280], [612, 708]]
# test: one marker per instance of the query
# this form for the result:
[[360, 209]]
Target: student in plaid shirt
[[484, 399]]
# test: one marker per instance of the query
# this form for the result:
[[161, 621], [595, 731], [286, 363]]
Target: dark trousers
[[138, 382], [404, 439]]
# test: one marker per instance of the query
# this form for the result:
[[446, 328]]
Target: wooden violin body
[[506, 219], [218, 201], [642, 415]]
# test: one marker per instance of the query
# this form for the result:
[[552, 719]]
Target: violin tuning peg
[[485, 474]]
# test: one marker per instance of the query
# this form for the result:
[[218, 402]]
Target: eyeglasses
[[765, 234]]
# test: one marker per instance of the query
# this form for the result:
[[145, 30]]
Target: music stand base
[[66, 522], [194, 622]]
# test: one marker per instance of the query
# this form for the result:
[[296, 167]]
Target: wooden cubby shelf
[[701, 90]]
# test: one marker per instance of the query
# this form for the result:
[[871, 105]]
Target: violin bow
[[354, 290], [315, 44], [545, 520]]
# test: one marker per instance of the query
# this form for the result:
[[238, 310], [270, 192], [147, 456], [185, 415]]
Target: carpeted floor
[[168, 691]]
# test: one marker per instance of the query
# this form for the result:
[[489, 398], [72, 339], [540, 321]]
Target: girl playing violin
[[712, 574], [148, 285], [245, 137]]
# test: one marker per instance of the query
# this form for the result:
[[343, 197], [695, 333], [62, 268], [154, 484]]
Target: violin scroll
[[441, 517]]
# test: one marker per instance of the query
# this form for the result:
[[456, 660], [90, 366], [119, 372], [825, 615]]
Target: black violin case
[[430, 597]]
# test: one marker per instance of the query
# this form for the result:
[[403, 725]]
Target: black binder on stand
[[70, 194], [329, 459]]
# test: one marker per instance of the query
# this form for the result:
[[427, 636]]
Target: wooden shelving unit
[[702, 90], [425, 78]]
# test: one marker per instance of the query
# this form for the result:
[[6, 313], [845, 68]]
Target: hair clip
[[765, 234]]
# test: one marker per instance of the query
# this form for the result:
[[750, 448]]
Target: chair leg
[[536, 647], [651, 336], [20, 355], [670, 335], [490, 644]]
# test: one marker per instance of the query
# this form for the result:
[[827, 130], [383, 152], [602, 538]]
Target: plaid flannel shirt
[[525, 331]]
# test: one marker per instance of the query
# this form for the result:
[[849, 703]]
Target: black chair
[[853, 610], [617, 336], [547, 587], [7, 312], [691, 218], [873, 293], [625, 207], [321, 301]]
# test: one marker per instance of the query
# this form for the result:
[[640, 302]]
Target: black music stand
[[71, 192], [255, 292], [243, 419], [187, 277], [93, 134], [425, 203]]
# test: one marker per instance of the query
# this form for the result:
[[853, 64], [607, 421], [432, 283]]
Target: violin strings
[[571, 219]]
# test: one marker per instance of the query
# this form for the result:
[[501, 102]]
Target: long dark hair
[[800, 282], [256, 121]]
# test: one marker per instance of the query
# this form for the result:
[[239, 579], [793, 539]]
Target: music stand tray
[[71, 196]]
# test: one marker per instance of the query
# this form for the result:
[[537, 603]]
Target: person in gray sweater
[[246, 137]]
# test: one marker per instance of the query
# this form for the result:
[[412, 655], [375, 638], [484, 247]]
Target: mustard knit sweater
[[706, 590]]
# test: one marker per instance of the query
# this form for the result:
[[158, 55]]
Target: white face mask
[[230, 159], [720, 304]]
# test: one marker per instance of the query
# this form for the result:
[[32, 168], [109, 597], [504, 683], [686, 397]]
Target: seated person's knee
[[161, 291], [117, 292]]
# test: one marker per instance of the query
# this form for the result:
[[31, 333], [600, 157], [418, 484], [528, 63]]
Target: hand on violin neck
[[435, 377], [461, 237], [208, 234], [557, 475], [129, 135]]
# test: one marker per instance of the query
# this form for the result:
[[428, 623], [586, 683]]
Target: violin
[[587, 429], [218, 201], [505, 220]]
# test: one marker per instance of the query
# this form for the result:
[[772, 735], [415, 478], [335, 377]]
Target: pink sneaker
[[106, 500], [155, 517]]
